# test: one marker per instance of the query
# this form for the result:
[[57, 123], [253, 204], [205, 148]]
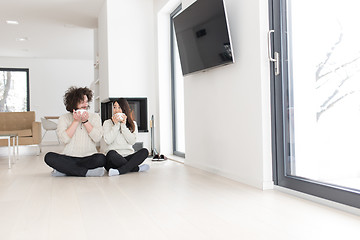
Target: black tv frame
[[195, 17]]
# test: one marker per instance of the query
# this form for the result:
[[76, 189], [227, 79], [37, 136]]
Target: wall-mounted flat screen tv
[[203, 36]]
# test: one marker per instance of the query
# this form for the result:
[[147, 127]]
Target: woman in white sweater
[[120, 134], [79, 130]]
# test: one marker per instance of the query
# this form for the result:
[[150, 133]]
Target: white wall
[[131, 48], [128, 52], [238, 144], [49, 79], [103, 52]]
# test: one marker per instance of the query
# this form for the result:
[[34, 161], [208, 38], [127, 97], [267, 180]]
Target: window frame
[[173, 88], [27, 82], [280, 124]]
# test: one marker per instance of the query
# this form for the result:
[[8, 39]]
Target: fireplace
[[137, 105]]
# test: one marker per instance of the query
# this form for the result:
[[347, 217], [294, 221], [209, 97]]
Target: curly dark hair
[[123, 103], [73, 96]]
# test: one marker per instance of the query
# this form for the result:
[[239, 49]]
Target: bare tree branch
[[7, 83], [338, 68], [328, 56], [318, 114]]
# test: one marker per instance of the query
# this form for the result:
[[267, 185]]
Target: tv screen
[[203, 37]]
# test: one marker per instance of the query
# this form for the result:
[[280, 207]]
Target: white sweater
[[82, 143], [118, 137]]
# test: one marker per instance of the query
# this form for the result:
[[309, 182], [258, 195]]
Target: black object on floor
[[159, 158]]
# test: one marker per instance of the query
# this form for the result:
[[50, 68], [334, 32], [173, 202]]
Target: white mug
[[81, 111], [120, 116]]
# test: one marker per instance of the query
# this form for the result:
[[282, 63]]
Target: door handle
[[276, 59]]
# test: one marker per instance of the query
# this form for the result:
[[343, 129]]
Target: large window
[[316, 97], [14, 90], [177, 85]]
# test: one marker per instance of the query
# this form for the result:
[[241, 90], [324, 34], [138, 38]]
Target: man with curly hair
[[79, 130]]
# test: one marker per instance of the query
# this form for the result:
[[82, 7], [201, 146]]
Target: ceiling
[[53, 28]]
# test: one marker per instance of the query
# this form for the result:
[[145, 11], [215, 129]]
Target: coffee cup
[[81, 111], [120, 116]]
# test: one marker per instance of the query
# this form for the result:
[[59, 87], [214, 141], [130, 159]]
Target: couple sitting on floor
[[80, 130]]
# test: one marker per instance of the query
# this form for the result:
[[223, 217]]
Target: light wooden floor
[[171, 201]]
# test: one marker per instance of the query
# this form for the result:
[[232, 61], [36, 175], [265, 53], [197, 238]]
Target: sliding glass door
[[315, 52]]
